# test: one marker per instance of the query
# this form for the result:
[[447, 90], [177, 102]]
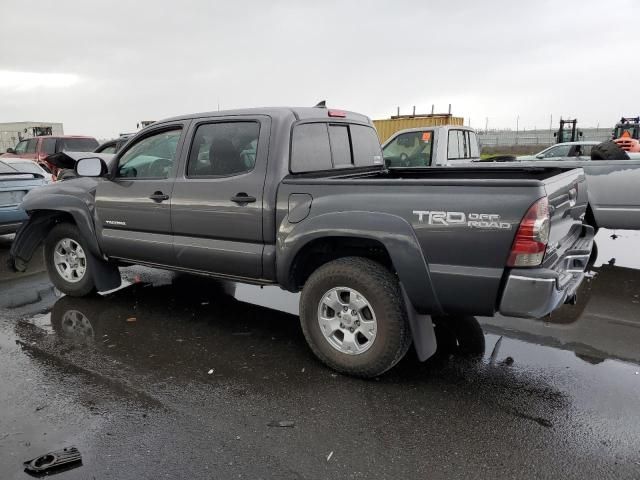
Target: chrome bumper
[[535, 293]]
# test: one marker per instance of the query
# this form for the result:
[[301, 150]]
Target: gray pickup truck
[[614, 199], [300, 197]]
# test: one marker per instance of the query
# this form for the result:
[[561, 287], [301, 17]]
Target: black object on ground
[[54, 462]]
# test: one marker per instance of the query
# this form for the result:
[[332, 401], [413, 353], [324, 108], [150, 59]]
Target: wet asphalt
[[174, 376]]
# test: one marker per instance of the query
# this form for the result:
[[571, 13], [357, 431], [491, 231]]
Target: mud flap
[[105, 275], [28, 238], [424, 336]]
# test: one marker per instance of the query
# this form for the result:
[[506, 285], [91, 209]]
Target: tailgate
[[567, 196]]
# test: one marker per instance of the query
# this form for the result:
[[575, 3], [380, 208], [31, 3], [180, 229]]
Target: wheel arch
[[386, 238], [42, 218]]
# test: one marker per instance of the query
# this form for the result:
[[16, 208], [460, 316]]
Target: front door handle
[[242, 198], [159, 197]]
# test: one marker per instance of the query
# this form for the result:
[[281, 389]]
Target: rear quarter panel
[[466, 263]]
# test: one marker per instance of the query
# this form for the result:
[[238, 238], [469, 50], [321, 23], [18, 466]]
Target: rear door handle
[[158, 197], [243, 198]]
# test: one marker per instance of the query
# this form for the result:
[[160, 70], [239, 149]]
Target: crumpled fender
[[45, 206]]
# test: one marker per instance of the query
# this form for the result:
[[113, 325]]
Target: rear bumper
[[534, 293]]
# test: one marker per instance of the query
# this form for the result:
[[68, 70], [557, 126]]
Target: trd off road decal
[[473, 220]]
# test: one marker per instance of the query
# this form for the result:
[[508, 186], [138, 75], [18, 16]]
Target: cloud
[[497, 59], [25, 81]]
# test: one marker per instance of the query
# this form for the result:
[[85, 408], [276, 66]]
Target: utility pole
[[517, 127], [486, 125]]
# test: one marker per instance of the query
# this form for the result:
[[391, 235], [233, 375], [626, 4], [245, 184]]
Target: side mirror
[[91, 167], [540, 156], [11, 150]]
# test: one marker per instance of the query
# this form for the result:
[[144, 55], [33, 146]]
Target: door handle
[[158, 197], [242, 198]]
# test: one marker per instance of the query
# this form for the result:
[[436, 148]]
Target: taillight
[[337, 113], [532, 236]]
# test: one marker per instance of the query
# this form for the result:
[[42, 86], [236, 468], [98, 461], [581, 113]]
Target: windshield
[[77, 144], [27, 167], [627, 130], [412, 149], [4, 168]]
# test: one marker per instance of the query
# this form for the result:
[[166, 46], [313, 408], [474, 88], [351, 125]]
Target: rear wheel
[[67, 261], [354, 318]]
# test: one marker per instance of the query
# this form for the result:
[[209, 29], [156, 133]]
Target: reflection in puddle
[[42, 322]]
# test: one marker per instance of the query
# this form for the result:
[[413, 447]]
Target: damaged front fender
[[48, 205]]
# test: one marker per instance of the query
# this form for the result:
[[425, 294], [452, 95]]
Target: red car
[[39, 148]]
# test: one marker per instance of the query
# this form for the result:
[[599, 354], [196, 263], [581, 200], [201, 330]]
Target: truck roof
[[60, 136], [300, 113]]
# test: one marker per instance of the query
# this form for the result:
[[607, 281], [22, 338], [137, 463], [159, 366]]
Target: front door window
[[152, 157]]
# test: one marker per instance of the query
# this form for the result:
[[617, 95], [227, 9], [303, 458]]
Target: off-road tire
[[608, 150], [81, 288], [382, 290]]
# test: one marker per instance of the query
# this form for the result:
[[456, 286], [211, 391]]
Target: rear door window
[[223, 149], [454, 151], [474, 151]]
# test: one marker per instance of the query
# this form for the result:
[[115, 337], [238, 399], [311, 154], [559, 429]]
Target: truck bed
[[460, 258], [438, 175]]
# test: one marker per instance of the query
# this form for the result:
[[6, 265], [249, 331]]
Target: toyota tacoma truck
[[301, 198]]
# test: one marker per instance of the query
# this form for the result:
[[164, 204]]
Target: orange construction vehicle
[[626, 134]]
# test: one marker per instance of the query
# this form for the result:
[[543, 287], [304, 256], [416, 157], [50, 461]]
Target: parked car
[[562, 151], [431, 146], [29, 166], [113, 146], [39, 148], [301, 198], [14, 185]]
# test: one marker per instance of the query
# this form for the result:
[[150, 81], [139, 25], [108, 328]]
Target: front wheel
[[354, 318], [67, 261]]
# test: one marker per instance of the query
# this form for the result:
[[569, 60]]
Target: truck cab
[[431, 146]]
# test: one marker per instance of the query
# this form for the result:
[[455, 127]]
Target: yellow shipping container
[[389, 126]]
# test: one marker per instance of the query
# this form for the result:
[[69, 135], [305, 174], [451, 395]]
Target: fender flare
[[80, 210], [395, 234], [44, 211]]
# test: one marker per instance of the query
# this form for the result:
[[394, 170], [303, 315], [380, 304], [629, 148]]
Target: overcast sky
[[100, 67]]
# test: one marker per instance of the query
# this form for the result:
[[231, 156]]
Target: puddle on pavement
[[155, 309]]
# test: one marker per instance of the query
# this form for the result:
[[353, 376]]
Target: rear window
[[310, 148], [366, 146], [340, 145], [77, 144], [323, 146]]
